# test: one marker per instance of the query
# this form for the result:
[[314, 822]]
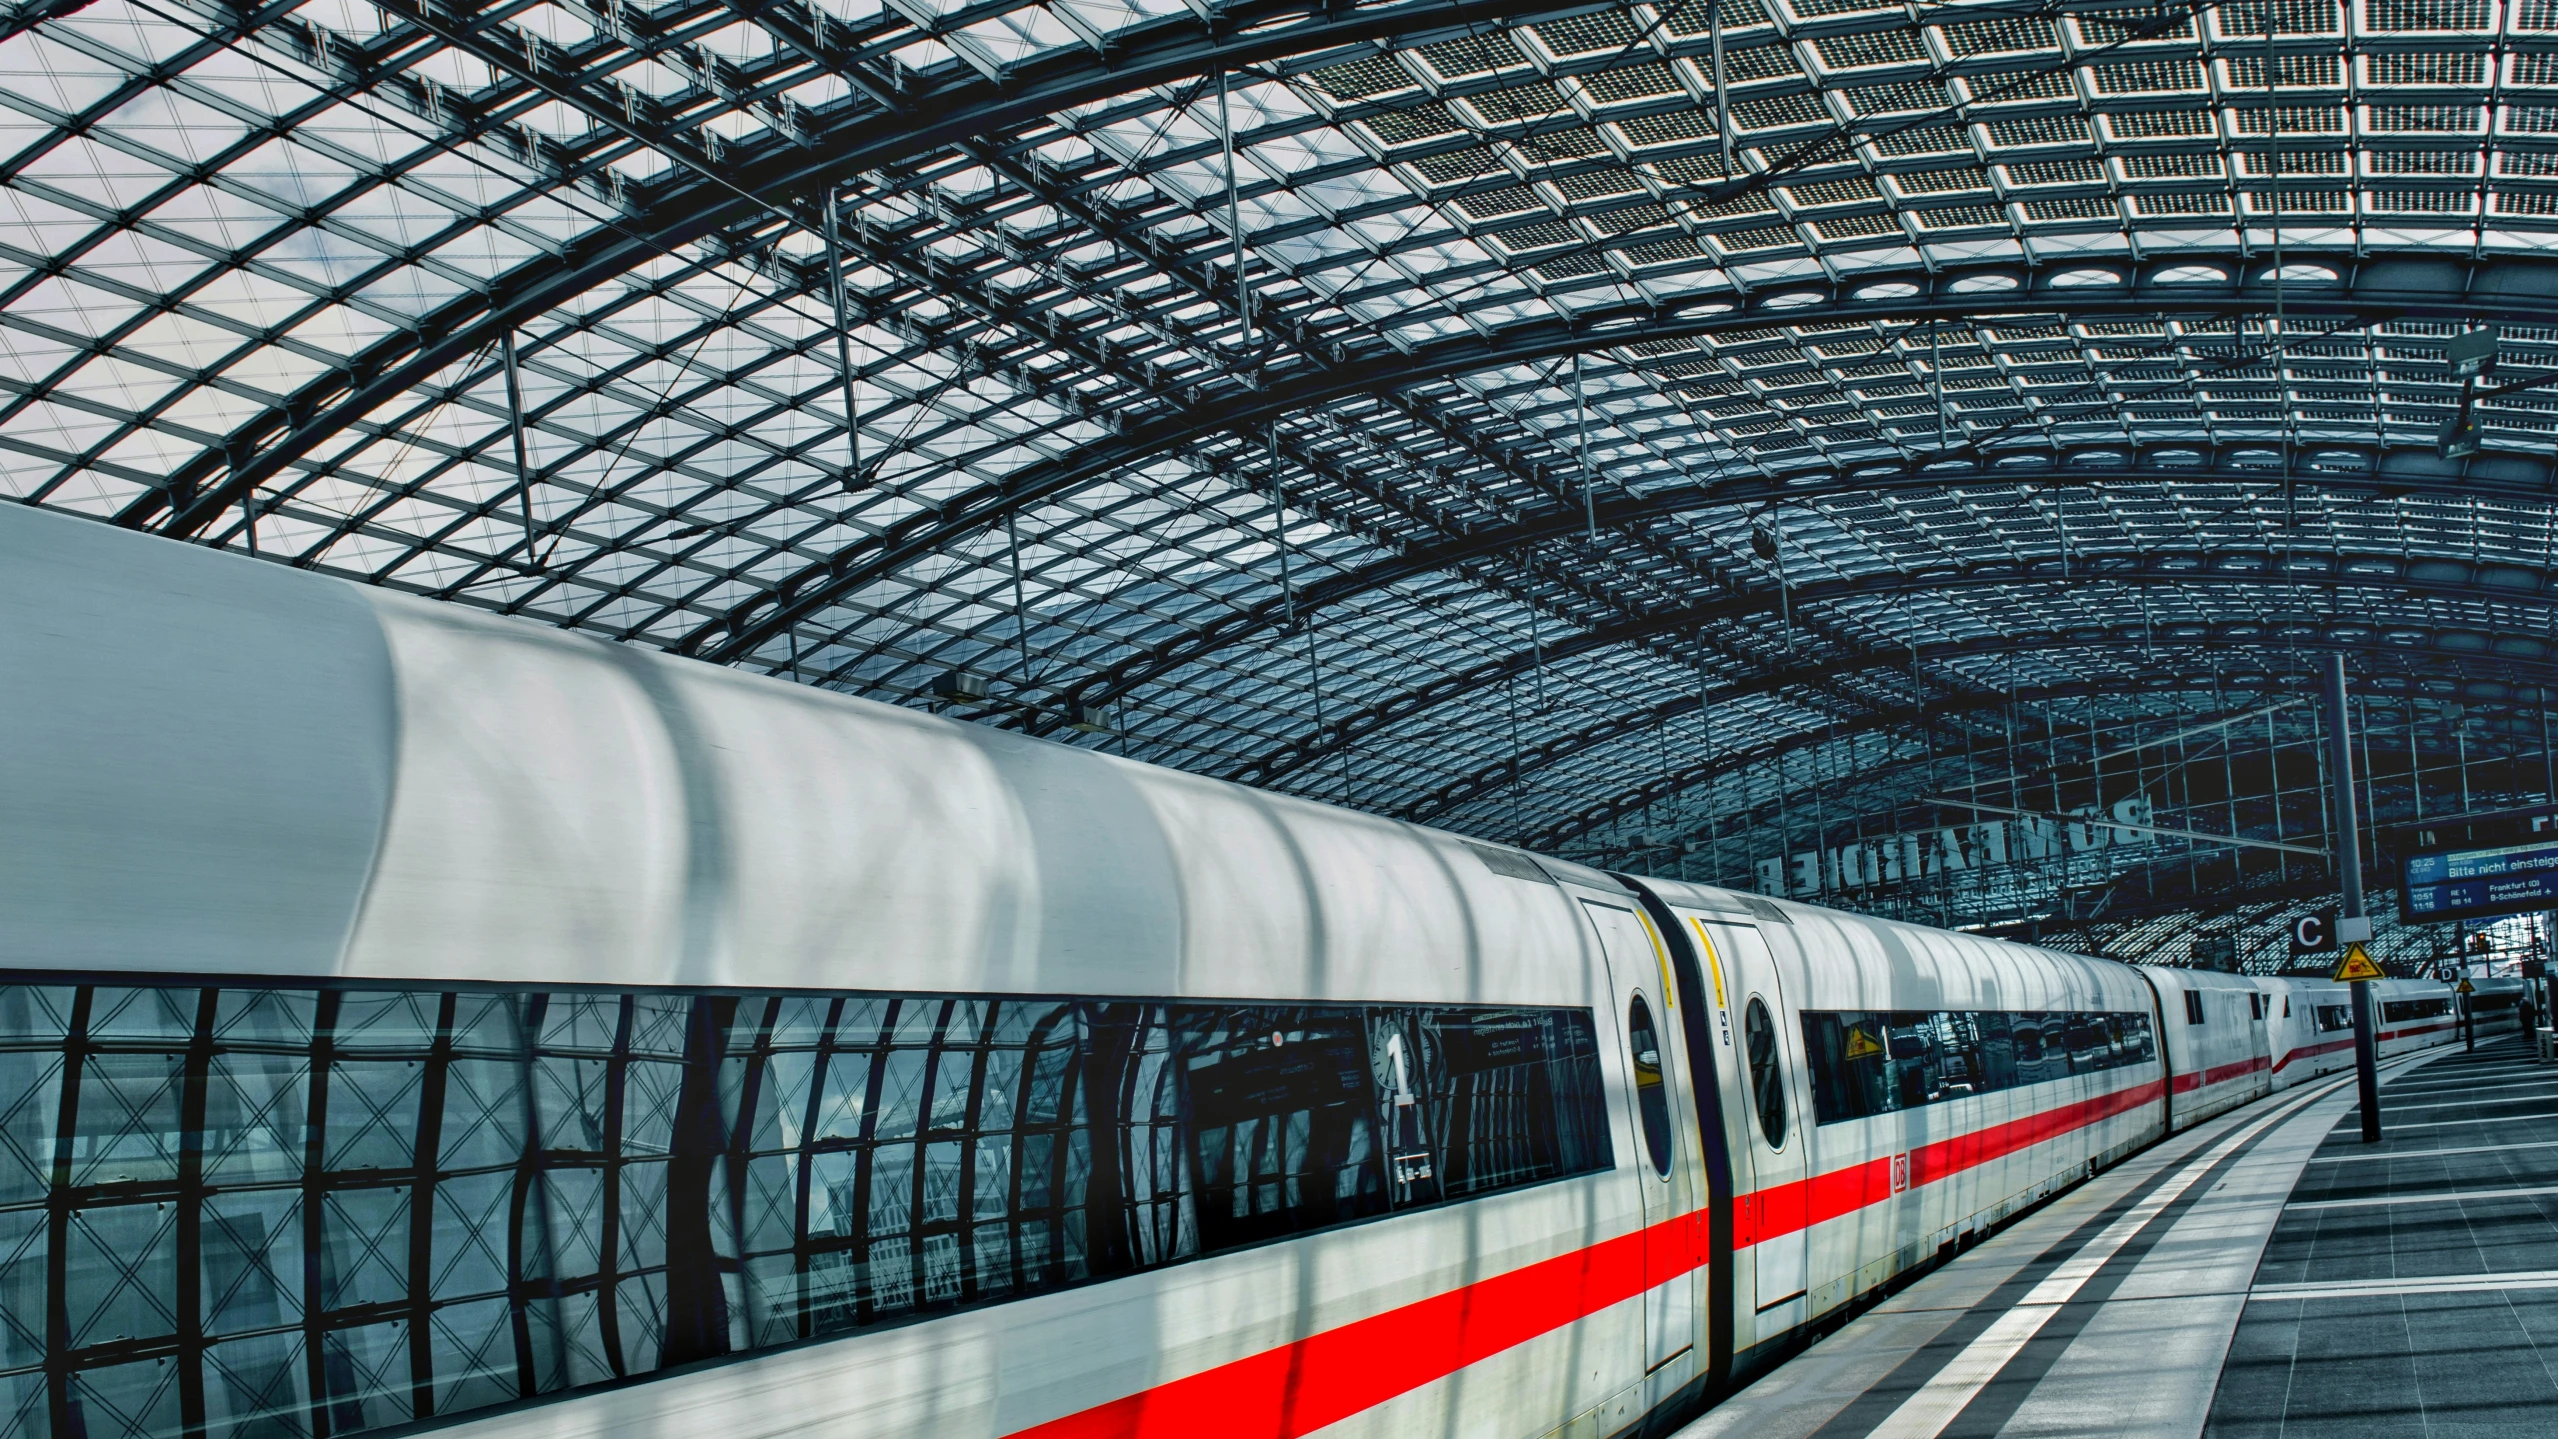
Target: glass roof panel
[[1413, 407]]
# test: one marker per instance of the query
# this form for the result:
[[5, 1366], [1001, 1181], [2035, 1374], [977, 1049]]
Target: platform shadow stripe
[[1878, 1403], [1999, 1399]]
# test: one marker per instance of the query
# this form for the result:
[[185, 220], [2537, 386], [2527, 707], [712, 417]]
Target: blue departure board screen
[[2475, 883]]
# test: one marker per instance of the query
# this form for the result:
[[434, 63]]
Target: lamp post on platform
[[2353, 926]]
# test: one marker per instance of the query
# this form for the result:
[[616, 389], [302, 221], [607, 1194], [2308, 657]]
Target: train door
[[1637, 969], [1768, 1055]]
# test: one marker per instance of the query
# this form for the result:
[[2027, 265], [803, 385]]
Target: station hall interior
[[1114, 719]]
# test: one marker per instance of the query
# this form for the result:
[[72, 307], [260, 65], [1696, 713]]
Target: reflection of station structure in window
[[1408, 1159], [1865, 1063], [1867, 864], [413, 1204]]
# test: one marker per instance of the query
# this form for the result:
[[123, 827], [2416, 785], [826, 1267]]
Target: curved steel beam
[[1653, 716], [1780, 746], [1805, 795], [2456, 579], [2367, 292], [2541, 672], [904, 122], [2383, 471], [2396, 687]]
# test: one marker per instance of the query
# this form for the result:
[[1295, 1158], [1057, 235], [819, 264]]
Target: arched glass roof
[[1516, 416]]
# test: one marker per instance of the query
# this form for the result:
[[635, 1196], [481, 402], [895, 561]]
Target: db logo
[[1900, 1172]]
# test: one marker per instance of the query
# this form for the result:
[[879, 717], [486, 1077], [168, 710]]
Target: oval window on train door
[[1766, 1085], [1650, 1099]]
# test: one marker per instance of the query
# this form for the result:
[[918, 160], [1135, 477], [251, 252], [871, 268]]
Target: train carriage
[[412, 1015], [2496, 1005], [1891, 1090], [2310, 1029], [2218, 1041]]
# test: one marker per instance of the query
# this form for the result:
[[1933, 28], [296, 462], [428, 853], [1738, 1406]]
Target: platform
[[2264, 1274], [2411, 1287]]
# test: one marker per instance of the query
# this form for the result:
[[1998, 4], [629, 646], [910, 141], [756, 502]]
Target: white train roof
[[230, 768]]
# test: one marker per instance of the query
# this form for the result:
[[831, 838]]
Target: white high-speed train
[[411, 1015]]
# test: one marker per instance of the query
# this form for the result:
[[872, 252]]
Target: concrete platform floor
[[2112, 1310], [2411, 1287]]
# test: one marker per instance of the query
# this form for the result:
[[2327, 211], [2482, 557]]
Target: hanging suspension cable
[[1021, 611], [1936, 380], [843, 346], [1722, 102], [2282, 332], [515, 421], [1536, 638], [1234, 212], [1314, 672], [249, 506], [1279, 529], [1581, 421]]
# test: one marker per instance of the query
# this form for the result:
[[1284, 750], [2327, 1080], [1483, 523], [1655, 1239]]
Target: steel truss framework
[[1516, 416]]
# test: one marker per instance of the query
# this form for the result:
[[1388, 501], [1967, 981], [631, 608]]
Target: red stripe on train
[[1301, 1387], [2309, 1051], [2219, 1074], [2312, 1051], [1298, 1388], [2387, 1035], [1775, 1213]]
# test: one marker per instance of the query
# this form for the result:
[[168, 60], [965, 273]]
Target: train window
[[2193, 1006], [2396, 1011], [1651, 1101], [568, 1188], [1283, 1131], [1767, 1084], [2331, 1018], [1866, 1063], [2255, 1005]]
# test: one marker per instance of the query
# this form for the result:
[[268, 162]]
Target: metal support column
[[2347, 846]]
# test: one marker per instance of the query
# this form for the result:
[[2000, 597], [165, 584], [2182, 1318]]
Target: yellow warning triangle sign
[[1861, 1045], [2356, 965], [2465, 987]]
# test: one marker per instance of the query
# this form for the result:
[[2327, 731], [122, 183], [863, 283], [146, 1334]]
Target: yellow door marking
[[1713, 965], [1660, 957]]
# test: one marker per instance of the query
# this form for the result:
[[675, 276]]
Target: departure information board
[[2474, 883]]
